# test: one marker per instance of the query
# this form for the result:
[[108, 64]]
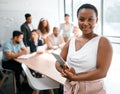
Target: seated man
[[11, 50], [55, 40]]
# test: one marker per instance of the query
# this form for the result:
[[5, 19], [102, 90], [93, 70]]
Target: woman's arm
[[104, 57]]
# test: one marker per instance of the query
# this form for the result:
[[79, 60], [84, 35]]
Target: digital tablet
[[59, 58]]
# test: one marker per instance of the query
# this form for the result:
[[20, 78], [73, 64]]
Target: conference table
[[45, 64]]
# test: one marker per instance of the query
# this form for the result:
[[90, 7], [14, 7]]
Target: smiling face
[[87, 20]]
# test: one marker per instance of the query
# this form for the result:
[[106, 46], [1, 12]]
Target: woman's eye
[[81, 19], [91, 19]]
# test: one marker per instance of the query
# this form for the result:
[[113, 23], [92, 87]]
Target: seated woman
[[33, 43], [43, 29]]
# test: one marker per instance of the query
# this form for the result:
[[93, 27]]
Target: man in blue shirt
[[11, 50]]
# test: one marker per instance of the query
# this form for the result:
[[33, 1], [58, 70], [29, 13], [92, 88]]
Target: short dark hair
[[88, 6], [66, 15], [34, 30], [55, 28], [17, 33], [27, 15]]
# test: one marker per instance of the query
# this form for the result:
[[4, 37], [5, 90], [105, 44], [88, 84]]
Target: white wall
[[12, 14]]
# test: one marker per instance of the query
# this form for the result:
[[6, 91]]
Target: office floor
[[7, 87], [112, 82]]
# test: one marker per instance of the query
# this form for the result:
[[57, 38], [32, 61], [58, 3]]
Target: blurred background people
[[55, 40], [76, 31], [34, 41], [66, 28], [43, 29], [11, 50], [26, 28]]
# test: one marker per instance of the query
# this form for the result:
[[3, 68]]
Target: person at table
[[26, 28], [88, 56], [34, 41], [12, 49], [55, 40], [43, 29]]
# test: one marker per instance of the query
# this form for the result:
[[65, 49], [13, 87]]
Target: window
[[108, 15], [71, 6], [111, 19]]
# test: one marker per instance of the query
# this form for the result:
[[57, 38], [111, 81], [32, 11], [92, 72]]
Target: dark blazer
[[33, 47], [27, 33]]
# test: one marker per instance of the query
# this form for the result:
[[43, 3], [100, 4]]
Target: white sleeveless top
[[84, 59]]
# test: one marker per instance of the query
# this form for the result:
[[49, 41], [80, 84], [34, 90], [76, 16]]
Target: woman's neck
[[89, 36]]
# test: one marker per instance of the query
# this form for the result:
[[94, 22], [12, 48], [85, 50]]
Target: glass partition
[[71, 7], [111, 19]]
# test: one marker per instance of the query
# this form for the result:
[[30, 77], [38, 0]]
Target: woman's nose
[[85, 22]]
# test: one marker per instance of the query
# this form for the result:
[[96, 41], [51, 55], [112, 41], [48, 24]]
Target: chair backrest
[[39, 83]]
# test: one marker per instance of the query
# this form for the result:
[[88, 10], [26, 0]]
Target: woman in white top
[[66, 28], [88, 56]]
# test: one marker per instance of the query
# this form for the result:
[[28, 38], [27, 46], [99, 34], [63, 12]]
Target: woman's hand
[[63, 71], [68, 73]]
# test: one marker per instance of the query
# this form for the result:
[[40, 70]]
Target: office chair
[[43, 83]]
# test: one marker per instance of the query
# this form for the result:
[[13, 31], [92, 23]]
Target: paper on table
[[41, 48], [26, 56]]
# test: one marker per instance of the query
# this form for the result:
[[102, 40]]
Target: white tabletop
[[44, 64]]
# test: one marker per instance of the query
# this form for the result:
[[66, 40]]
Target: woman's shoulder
[[104, 41]]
